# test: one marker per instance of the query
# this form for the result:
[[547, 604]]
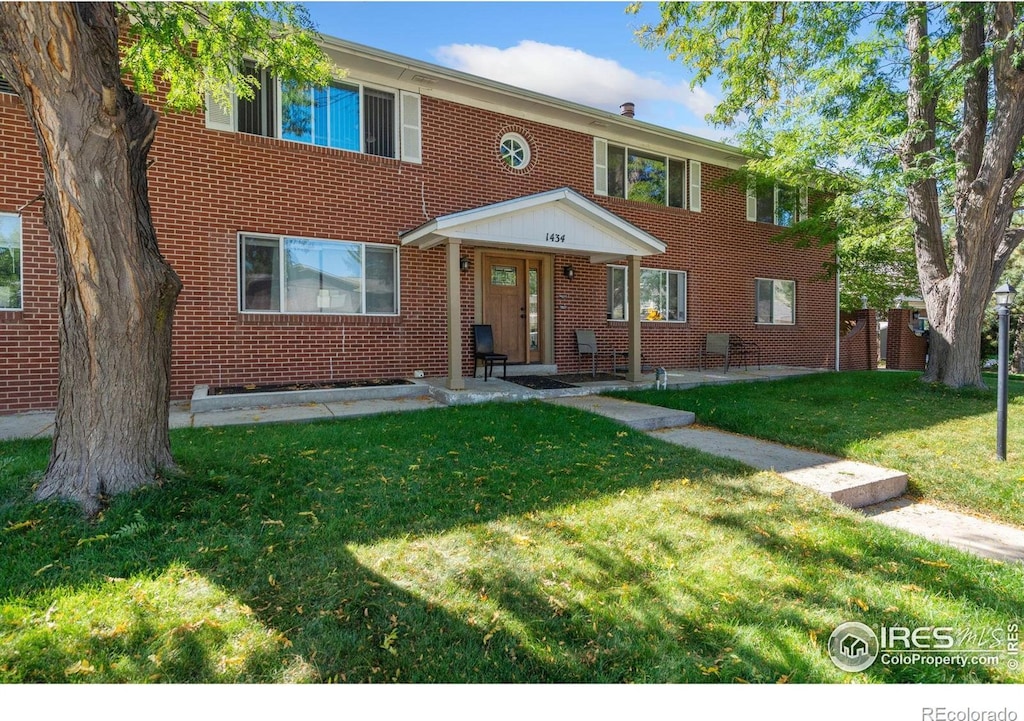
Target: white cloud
[[573, 75]]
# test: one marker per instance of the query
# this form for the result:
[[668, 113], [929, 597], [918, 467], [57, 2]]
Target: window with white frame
[[768, 202], [776, 301], [348, 116], [662, 294], [283, 274], [624, 172], [514, 151], [10, 262]]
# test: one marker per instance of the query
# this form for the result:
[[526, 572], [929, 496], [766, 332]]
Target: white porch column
[[455, 380], [633, 373]]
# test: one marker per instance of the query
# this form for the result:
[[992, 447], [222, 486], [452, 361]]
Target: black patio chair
[[483, 350]]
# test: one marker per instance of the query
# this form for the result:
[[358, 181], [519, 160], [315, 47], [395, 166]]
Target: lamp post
[[1004, 296]]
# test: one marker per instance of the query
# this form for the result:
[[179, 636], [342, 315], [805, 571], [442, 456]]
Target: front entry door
[[505, 305]]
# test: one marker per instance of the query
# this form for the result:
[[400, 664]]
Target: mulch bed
[[308, 386]]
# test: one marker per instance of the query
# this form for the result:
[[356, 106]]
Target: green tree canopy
[[870, 102]]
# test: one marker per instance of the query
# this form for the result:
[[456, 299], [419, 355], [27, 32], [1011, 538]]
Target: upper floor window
[[303, 275], [341, 115], [10, 262], [775, 204], [515, 151], [5, 87], [662, 294], [623, 172]]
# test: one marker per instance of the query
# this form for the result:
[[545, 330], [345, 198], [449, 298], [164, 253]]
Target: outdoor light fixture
[[568, 272], [1004, 296], [463, 264]]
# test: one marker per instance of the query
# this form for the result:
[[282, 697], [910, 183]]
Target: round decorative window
[[515, 151]]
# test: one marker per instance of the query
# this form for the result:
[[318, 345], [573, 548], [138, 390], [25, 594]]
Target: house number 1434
[[555, 237]]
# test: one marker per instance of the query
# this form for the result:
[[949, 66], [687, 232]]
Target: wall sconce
[[568, 272], [463, 264]]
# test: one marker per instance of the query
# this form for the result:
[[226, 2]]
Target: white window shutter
[[776, 214], [412, 132], [803, 202], [695, 186], [218, 118], [751, 199], [600, 166]]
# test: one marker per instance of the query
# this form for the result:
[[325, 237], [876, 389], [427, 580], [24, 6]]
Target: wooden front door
[[505, 305]]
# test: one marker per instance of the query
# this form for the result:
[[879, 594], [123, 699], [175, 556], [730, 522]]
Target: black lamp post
[[1004, 296]]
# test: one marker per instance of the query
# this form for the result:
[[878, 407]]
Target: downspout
[[837, 304]]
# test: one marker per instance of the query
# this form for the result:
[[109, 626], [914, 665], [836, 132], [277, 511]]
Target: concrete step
[[851, 483], [639, 416]]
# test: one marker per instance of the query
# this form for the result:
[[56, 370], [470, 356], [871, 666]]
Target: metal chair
[[586, 344], [715, 344], [483, 349], [745, 349]]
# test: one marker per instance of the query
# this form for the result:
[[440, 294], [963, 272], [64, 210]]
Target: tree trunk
[[957, 282], [116, 292]]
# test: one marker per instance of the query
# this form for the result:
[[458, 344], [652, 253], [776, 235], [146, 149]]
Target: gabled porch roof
[[555, 221]]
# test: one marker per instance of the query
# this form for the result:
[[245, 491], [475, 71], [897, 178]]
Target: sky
[[585, 52]]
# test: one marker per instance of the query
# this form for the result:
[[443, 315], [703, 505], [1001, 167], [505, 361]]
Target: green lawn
[[943, 439], [495, 543]]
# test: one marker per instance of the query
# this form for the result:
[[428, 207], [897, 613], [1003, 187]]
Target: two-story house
[[358, 231]]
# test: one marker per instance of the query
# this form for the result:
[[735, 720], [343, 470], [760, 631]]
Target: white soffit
[[556, 221]]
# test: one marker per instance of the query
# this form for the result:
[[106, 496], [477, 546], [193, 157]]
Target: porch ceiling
[[555, 221]]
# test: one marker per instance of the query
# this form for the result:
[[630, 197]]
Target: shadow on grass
[[461, 545], [829, 412]]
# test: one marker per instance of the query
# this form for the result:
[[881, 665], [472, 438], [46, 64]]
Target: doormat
[[306, 386], [538, 383]]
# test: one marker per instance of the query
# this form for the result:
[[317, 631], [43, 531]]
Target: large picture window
[[662, 294], [776, 301], [10, 262], [303, 275]]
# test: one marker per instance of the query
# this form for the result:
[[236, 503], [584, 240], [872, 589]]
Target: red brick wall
[[207, 186], [858, 347], [904, 349]]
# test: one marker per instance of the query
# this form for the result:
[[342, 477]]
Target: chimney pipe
[[628, 110]]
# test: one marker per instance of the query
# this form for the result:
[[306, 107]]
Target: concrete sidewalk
[[40, 424]]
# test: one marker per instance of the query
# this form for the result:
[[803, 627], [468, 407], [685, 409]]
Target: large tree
[[918, 98], [116, 292]]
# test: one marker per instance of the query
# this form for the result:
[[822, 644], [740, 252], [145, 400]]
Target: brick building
[[328, 233]]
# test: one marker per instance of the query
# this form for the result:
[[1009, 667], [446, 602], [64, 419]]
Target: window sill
[[298, 146], [774, 325], [315, 319], [643, 204], [644, 320]]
